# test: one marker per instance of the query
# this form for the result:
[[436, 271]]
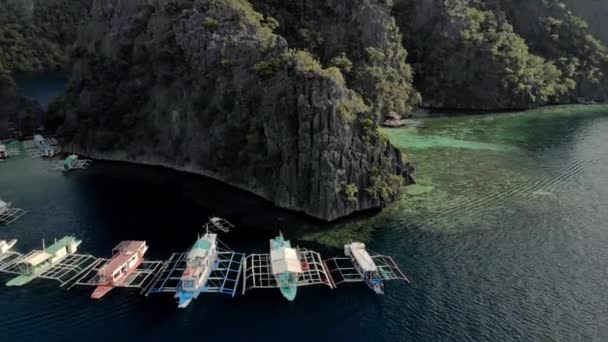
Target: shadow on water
[[165, 205]]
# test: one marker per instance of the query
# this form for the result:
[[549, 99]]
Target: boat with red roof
[[126, 257]]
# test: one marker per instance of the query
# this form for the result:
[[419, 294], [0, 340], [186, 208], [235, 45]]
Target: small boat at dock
[[365, 265], [46, 149], [126, 257], [6, 246], [69, 162], [37, 262], [286, 266], [199, 263]]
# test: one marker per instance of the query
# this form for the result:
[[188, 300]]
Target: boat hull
[[184, 298], [103, 289], [375, 285], [289, 292], [21, 280]]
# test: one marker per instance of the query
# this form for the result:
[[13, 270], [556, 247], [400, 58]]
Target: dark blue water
[[505, 239]]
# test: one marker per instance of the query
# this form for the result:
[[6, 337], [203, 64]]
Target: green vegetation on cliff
[[466, 56], [562, 38], [35, 34]]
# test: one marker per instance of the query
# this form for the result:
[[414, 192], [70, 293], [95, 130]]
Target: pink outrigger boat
[[126, 257]]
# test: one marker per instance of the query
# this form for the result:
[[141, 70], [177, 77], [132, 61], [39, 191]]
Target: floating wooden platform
[[257, 271]]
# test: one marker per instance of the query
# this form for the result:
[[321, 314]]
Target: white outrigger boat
[[365, 265], [6, 246], [199, 263], [46, 149], [34, 264], [209, 266], [286, 266], [360, 265]]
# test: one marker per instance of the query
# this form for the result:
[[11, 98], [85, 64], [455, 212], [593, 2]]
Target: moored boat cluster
[[208, 266]]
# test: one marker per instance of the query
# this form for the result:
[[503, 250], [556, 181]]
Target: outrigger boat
[[6, 246], [365, 265], [286, 266], [35, 263], [46, 149], [126, 257], [69, 162], [199, 263]]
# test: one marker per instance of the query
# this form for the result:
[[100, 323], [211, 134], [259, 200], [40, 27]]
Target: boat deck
[[343, 270], [224, 277], [257, 271], [64, 271], [139, 278], [11, 215]]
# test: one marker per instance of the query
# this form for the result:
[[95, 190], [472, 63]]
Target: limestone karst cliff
[[283, 98], [208, 87]]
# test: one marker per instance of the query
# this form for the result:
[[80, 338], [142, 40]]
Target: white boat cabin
[[285, 260], [358, 253]]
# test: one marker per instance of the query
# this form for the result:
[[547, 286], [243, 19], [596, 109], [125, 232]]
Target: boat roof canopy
[[123, 252], [202, 246], [285, 260], [61, 244], [362, 257], [36, 258], [128, 246]]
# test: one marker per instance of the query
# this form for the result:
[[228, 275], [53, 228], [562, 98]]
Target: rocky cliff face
[[208, 87], [358, 36], [35, 34], [553, 31], [467, 56]]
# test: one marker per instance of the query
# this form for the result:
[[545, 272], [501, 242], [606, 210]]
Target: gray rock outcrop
[[207, 87]]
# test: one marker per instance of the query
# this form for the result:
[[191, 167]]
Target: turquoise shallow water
[[504, 236]]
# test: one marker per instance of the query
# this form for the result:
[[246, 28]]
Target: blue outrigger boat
[[286, 266], [199, 263]]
